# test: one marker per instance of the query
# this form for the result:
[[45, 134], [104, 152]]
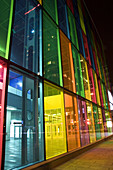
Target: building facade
[[55, 93]]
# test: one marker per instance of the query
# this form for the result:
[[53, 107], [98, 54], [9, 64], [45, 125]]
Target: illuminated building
[[54, 90]]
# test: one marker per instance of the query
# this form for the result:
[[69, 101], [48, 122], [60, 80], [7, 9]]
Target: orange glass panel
[[72, 125], [67, 63]]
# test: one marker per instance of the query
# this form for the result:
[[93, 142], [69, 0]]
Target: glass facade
[[55, 94]]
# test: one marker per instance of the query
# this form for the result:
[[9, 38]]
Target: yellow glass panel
[[108, 122], [40, 1], [101, 122], [81, 19], [85, 78], [96, 88], [90, 122], [98, 67], [55, 133]]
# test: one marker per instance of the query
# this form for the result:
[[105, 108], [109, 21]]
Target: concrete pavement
[[98, 158]]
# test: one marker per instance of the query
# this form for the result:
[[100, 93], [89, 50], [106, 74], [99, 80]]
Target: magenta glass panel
[[3, 72], [84, 131], [86, 48], [92, 86]]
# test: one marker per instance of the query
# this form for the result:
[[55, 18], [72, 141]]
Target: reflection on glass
[[24, 121], [90, 122], [26, 47], [78, 72], [84, 131], [73, 137], [52, 56], [100, 118], [67, 63], [97, 122], [55, 133], [85, 78]]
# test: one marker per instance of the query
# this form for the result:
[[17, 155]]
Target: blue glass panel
[[26, 47], [62, 17], [24, 143]]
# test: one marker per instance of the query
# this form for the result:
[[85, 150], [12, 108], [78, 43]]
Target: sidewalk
[[98, 158]]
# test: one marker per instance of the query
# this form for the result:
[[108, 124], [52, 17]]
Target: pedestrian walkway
[[98, 158]]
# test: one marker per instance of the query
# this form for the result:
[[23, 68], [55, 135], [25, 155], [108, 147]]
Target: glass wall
[[55, 132], [54, 97], [24, 121]]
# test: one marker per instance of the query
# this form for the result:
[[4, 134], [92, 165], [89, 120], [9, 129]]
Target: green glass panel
[[104, 95], [51, 8], [96, 122], [6, 11], [73, 31], [78, 72], [52, 56], [96, 87]]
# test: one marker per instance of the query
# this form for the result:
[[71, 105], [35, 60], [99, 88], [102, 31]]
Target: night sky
[[101, 12]]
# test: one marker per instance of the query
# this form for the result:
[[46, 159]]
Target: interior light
[[32, 31], [0, 66]]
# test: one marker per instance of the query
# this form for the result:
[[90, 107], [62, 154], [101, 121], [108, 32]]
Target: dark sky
[[101, 12]]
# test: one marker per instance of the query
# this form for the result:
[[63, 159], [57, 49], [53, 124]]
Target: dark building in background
[[55, 94]]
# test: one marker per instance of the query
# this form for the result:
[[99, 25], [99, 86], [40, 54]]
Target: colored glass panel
[[86, 48], [92, 86], [72, 26], [95, 61], [78, 72], [81, 17], [70, 5], [40, 1], [51, 8], [62, 17], [73, 137], [3, 73], [24, 121], [96, 88], [55, 133], [108, 123], [67, 63], [26, 47], [85, 78], [80, 39], [96, 122], [6, 12], [52, 56], [90, 122], [89, 45], [100, 92], [100, 118], [84, 131], [105, 99]]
